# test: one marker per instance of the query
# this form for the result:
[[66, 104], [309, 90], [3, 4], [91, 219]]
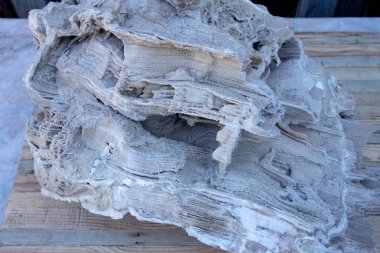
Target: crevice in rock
[[177, 128]]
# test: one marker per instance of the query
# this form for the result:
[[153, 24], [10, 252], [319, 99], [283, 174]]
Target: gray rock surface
[[202, 114]]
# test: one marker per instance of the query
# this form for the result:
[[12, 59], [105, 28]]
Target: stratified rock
[[202, 114]]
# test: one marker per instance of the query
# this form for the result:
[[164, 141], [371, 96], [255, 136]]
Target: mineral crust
[[202, 114]]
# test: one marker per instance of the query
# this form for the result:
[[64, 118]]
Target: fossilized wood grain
[[203, 132], [42, 224], [24, 204], [29, 212]]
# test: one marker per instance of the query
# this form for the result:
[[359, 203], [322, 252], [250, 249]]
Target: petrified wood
[[202, 114]]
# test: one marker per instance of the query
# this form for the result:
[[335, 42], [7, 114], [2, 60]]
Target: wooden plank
[[341, 44], [373, 122], [374, 221], [337, 25], [34, 219], [25, 166], [26, 183], [371, 153], [348, 61], [25, 180], [34, 223], [26, 153], [375, 138], [346, 50], [72, 218], [364, 112], [363, 98], [366, 86], [35, 199], [125, 237], [327, 39], [358, 74], [364, 92], [110, 249]]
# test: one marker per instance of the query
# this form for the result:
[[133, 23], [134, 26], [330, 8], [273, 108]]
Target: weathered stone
[[203, 114]]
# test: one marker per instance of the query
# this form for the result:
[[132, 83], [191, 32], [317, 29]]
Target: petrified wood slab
[[203, 114]]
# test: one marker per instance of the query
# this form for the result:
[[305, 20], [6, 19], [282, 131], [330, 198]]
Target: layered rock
[[202, 114]]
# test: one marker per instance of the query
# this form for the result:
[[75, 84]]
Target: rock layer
[[202, 114]]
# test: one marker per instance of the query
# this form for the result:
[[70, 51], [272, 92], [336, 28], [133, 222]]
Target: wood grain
[[354, 59], [99, 237], [371, 153], [105, 249], [34, 223], [348, 61], [42, 224], [341, 44]]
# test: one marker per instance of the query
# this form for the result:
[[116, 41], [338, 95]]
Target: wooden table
[[34, 223]]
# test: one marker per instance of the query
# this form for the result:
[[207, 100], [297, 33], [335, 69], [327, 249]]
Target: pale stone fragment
[[202, 114]]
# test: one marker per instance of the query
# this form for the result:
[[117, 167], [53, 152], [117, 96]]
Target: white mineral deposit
[[203, 114]]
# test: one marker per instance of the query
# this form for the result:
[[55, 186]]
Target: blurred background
[[290, 8]]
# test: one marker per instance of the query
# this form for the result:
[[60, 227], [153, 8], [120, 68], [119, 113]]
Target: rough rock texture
[[203, 114]]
